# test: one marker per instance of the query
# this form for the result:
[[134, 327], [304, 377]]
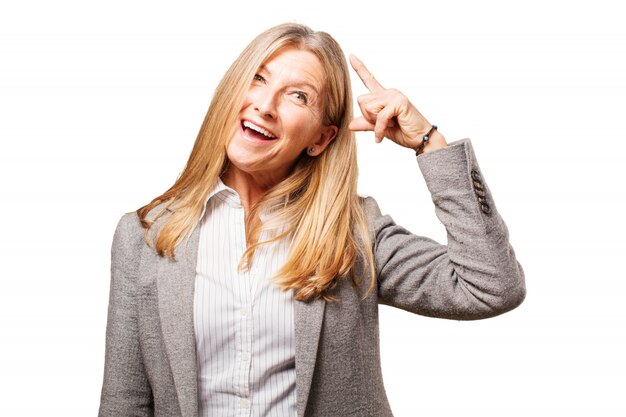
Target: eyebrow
[[302, 83]]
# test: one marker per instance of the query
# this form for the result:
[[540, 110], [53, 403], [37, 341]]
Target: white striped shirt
[[245, 339]]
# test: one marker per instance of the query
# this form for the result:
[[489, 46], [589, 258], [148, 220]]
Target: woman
[[251, 286]]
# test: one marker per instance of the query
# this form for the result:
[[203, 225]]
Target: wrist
[[431, 141], [435, 141]]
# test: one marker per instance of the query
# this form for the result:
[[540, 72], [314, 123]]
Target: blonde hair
[[317, 204]]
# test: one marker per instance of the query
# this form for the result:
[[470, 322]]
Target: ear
[[327, 136]]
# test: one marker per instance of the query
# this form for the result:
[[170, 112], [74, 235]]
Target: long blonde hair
[[317, 202]]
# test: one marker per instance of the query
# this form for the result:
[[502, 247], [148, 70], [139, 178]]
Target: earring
[[311, 150]]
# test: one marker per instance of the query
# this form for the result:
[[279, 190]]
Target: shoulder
[[370, 207], [128, 237], [128, 226], [376, 221]]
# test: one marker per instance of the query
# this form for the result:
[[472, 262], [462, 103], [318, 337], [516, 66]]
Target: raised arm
[[474, 276]]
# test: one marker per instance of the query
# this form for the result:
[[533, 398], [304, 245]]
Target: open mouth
[[257, 132]]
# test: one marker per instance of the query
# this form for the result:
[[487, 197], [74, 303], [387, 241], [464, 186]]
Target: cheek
[[304, 127]]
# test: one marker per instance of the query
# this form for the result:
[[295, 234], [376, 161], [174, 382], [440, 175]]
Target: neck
[[251, 188]]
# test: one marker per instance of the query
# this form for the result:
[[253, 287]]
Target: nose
[[265, 104]]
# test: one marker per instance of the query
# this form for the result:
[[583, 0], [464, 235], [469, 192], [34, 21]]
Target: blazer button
[[485, 208], [475, 175], [482, 200], [478, 185], [480, 192]]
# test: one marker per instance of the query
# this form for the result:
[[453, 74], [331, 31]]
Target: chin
[[244, 158]]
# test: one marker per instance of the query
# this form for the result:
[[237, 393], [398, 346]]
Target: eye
[[301, 96], [258, 77]]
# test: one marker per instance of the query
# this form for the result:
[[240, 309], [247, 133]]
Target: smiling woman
[[280, 119], [251, 286]]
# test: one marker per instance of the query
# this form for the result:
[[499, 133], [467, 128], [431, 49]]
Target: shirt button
[[245, 356], [244, 402], [244, 311]]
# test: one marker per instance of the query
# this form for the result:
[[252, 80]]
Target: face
[[281, 117]]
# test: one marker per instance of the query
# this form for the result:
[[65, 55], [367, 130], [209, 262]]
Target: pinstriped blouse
[[244, 328]]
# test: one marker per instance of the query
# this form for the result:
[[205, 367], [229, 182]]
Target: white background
[[100, 103]]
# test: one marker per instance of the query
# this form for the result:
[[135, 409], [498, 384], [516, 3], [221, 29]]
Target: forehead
[[296, 66]]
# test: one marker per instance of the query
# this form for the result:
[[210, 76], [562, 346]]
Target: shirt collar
[[223, 193]]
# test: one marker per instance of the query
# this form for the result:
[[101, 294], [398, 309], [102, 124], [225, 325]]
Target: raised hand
[[389, 113]]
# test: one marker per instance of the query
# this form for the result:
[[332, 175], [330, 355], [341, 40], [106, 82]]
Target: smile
[[256, 132]]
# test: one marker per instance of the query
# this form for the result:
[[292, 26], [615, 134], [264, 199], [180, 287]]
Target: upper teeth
[[259, 129]]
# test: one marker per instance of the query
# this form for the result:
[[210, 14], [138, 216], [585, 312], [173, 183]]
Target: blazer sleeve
[[125, 389], [476, 275]]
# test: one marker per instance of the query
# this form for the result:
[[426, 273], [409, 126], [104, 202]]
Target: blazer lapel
[[175, 288], [308, 323]]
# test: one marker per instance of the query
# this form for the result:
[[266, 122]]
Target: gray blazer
[[150, 361]]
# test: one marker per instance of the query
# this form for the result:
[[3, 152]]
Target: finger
[[364, 74], [360, 124], [364, 99], [382, 123], [371, 105]]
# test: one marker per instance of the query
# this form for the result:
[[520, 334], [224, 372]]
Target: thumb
[[360, 124]]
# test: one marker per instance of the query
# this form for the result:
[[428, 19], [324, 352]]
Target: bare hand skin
[[389, 113]]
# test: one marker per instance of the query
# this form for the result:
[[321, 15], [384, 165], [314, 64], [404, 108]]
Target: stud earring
[[311, 150]]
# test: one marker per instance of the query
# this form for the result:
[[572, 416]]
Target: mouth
[[256, 132]]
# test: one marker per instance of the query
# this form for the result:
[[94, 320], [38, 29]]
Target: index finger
[[364, 74]]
